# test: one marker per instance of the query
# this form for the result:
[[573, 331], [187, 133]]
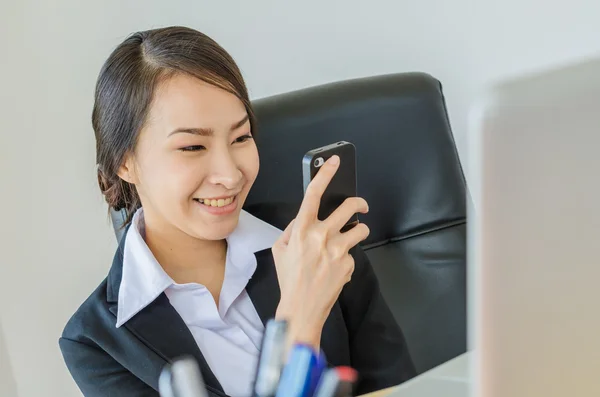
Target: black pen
[[271, 359]]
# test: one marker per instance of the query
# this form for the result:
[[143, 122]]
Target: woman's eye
[[194, 148], [243, 138]]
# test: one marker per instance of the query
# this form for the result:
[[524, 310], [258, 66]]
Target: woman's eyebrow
[[240, 123], [207, 131], [193, 131]]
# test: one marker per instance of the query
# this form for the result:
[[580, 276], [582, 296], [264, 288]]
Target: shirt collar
[[143, 278]]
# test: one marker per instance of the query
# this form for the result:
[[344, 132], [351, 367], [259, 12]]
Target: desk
[[451, 379]]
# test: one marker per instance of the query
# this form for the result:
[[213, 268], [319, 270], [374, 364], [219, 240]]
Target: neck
[[184, 258]]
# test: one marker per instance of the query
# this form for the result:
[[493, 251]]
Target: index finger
[[309, 209]]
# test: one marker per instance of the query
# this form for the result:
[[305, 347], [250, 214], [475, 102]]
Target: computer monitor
[[534, 235]]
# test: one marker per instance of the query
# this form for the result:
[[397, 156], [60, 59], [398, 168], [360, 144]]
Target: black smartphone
[[343, 184]]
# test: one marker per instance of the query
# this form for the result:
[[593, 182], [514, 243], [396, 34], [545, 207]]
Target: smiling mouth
[[221, 202]]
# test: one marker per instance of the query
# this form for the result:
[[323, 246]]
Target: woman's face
[[195, 159]]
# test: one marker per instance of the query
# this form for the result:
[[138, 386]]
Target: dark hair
[[125, 89]]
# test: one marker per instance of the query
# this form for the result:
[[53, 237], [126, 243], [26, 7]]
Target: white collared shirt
[[229, 336]]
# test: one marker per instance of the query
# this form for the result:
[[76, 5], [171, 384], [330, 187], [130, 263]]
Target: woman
[[194, 274]]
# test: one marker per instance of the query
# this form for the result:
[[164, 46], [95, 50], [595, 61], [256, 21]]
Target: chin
[[216, 235], [217, 229]]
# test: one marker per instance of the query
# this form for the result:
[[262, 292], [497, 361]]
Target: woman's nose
[[224, 170]]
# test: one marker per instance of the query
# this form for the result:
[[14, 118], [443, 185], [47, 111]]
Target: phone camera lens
[[319, 162]]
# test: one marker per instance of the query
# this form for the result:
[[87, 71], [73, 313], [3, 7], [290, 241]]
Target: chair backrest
[[408, 171], [408, 168]]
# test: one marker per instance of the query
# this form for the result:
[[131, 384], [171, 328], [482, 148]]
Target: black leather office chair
[[408, 171]]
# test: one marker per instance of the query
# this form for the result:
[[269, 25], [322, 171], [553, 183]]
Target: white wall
[[56, 241], [8, 386]]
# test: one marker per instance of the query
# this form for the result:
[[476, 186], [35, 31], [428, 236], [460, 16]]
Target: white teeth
[[216, 203]]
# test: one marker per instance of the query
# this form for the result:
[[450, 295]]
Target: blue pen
[[302, 372]]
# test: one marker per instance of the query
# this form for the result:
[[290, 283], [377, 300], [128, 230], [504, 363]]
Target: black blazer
[[107, 361]]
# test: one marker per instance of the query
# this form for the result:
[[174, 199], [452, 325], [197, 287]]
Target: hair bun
[[117, 193]]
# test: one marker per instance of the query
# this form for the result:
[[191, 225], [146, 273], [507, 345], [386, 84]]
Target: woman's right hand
[[313, 260]]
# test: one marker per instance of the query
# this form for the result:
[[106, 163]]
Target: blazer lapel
[[263, 289], [159, 326]]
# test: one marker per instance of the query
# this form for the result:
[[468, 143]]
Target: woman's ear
[[127, 170]]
